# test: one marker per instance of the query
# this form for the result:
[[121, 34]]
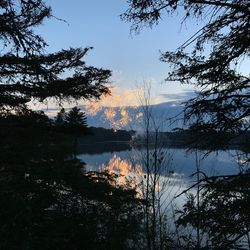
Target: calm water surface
[[180, 162]]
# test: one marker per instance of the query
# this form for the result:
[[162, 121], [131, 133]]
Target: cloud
[[121, 97], [180, 97]]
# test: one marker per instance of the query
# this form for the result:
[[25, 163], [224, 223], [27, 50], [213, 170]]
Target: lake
[[177, 173], [182, 161], [177, 168]]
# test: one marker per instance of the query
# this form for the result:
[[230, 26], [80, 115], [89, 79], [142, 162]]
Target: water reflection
[[183, 162], [131, 175], [127, 173], [177, 177]]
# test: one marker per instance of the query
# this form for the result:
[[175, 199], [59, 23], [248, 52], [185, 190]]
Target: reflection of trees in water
[[163, 187], [126, 173]]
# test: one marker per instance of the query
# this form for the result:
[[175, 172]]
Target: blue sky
[[131, 58]]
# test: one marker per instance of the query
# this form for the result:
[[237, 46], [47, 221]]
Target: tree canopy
[[213, 64], [48, 200], [219, 48], [27, 72]]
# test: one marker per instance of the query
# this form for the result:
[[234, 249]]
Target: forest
[[53, 197]]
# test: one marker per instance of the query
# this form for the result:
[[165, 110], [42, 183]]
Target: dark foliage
[[59, 120], [101, 140], [210, 141], [76, 118], [28, 73], [225, 211], [107, 135], [48, 201], [221, 108], [223, 102], [73, 122]]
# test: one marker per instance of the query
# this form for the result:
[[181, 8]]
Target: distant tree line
[[104, 135], [49, 201]]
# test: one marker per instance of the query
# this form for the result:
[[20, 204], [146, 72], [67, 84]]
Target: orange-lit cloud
[[92, 108], [115, 106]]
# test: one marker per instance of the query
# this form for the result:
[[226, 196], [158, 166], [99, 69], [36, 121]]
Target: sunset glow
[[128, 176], [115, 107]]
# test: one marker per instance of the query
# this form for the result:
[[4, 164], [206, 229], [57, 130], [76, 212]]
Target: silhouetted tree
[[153, 180], [47, 199], [223, 102], [76, 125], [76, 118], [28, 73], [224, 212]]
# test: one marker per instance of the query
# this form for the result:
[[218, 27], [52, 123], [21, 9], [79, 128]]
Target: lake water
[[177, 169], [179, 162], [182, 162], [179, 166]]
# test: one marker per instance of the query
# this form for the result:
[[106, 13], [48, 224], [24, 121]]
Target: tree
[[223, 102], [47, 196], [76, 124], [73, 119], [153, 171], [225, 212], [27, 72], [47, 200], [76, 118]]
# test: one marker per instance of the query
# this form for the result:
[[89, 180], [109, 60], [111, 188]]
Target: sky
[[132, 58]]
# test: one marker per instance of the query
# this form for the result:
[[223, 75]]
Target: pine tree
[[47, 201], [76, 118]]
